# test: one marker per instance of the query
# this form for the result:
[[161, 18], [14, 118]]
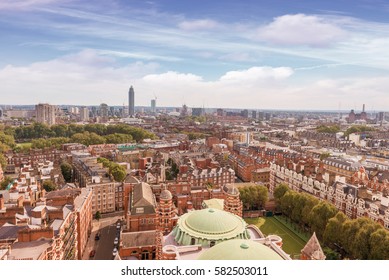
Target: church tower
[[165, 213], [232, 202]]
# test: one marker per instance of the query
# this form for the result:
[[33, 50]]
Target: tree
[[67, 171], [331, 254], [119, 173], [361, 244], [328, 129], [7, 139], [118, 138], [3, 161], [254, 197], [319, 217], [309, 204], [298, 204], [323, 156], [98, 215], [349, 231], [286, 203], [5, 182], [333, 231], [379, 245], [279, 192], [49, 186]]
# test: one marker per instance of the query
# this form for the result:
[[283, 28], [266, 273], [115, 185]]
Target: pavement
[[104, 246]]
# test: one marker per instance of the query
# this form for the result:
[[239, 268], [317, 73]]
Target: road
[[104, 246]]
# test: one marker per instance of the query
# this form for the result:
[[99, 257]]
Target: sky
[[254, 54]]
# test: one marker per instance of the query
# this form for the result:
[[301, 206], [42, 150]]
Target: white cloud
[[172, 77], [24, 4], [257, 73], [301, 29], [89, 78], [201, 24]]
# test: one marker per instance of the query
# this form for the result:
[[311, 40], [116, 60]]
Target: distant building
[[103, 112], [352, 116], [254, 114], [153, 106], [84, 114], [244, 113], [220, 112], [131, 102], [197, 112], [45, 113]]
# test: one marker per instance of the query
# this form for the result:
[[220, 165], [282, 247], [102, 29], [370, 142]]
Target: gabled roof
[[142, 197], [313, 249]]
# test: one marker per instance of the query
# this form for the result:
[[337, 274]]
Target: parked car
[[92, 254], [118, 225], [97, 236], [116, 241], [114, 252]]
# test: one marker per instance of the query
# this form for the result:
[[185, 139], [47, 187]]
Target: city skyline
[[319, 56]]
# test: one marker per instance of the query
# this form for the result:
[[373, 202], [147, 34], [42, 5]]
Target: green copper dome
[[209, 225], [239, 249]]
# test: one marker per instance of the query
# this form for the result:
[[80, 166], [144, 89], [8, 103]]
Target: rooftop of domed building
[[209, 225], [240, 249]]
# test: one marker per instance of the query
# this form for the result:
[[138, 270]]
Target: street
[[104, 246]]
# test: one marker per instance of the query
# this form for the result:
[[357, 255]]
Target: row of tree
[[328, 129], [359, 238], [39, 130], [117, 171], [358, 128], [86, 138]]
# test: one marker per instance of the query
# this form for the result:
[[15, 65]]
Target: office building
[[45, 113], [84, 114], [131, 102], [153, 106]]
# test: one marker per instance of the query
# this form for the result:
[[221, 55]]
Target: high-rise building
[[45, 113], [84, 114], [131, 101], [197, 112], [153, 106], [103, 112]]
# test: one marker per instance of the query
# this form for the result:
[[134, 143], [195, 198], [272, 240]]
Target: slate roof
[[142, 197]]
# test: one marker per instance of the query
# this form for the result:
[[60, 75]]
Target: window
[[139, 210]]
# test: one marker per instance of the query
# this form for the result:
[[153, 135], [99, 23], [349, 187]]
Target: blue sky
[[256, 54]]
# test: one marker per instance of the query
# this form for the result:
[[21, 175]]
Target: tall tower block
[[131, 102]]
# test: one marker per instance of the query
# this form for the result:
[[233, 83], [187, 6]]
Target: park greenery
[[328, 129], [38, 130], [359, 238], [44, 136], [253, 197], [115, 170], [358, 128]]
